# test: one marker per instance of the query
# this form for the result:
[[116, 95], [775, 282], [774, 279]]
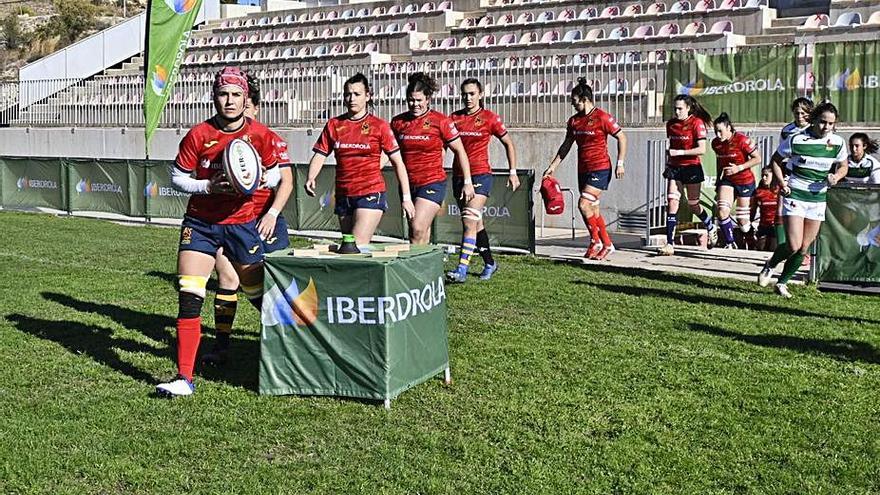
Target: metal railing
[[530, 91]]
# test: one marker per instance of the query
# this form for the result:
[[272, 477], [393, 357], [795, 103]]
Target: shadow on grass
[[720, 301], [171, 278], [241, 370], [659, 276], [841, 349]]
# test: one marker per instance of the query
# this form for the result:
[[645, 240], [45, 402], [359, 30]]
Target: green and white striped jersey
[[811, 159], [866, 171]]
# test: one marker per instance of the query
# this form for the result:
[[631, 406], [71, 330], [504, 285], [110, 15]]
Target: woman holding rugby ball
[[357, 139]]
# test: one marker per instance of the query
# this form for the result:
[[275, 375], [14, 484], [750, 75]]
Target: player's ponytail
[[421, 82], [694, 108], [582, 90], [723, 118], [871, 145], [474, 81], [360, 78]]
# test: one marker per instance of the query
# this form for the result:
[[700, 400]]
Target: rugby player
[[764, 207], [271, 225], [423, 133], [216, 216], [590, 127], [735, 154], [357, 140], [476, 125], [818, 159], [686, 132], [863, 168]]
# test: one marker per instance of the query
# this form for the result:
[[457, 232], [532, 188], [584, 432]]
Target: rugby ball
[[241, 164]]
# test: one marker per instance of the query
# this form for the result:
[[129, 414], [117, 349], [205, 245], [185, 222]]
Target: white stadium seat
[[573, 35], [656, 8], [704, 6], [634, 9], [680, 7], [668, 30], [695, 28], [643, 32], [848, 19], [588, 13], [595, 34], [610, 12], [721, 27], [618, 33]]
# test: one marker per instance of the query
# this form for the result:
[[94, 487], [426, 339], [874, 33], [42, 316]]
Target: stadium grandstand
[[528, 54]]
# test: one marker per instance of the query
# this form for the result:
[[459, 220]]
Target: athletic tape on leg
[[472, 213], [194, 284]]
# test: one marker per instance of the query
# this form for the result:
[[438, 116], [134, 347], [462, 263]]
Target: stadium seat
[[632, 57], [226, 24], [704, 6], [289, 19], [320, 51], [448, 43], [615, 86], [486, 20], [656, 8], [331, 15], [643, 32], [680, 7], [244, 55], [263, 21], [507, 39], [190, 59], [505, 20], [447, 5], [511, 62], [410, 27], [487, 40], [328, 32], [305, 51], [848, 19], [567, 15], [806, 81], [754, 4], [550, 37], [268, 37], [392, 28], [467, 42], [347, 14], [428, 7], [588, 13], [606, 58], [254, 38], [619, 33], [874, 19], [695, 28], [410, 9], [395, 9], [375, 29], [525, 18], [447, 91], [582, 59], [534, 61], [317, 16], [528, 38], [595, 34], [380, 11], [610, 12], [721, 27], [668, 30], [337, 49], [634, 9], [273, 54], [288, 53], [729, 5], [573, 35], [643, 85], [304, 17], [354, 48], [371, 47], [491, 63], [312, 34], [344, 32], [283, 36], [359, 31], [364, 12], [230, 57], [467, 22], [546, 16], [539, 88], [817, 21]]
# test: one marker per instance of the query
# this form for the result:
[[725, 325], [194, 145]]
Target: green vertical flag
[[752, 84], [169, 23]]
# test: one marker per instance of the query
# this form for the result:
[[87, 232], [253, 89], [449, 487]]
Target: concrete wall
[[535, 149]]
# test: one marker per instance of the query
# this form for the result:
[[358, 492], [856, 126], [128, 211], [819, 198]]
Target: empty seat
[[563, 87], [447, 90], [587, 13], [539, 88], [567, 15], [656, 8], [643, 32], [550, 37], [546, 16], [392, 28], [354, 48], [317, 16], [680, 7], [331, 15], [371, 47], [615, 86], [595, 34], [467, 22], [343, 32], [668, 30], [754, 4], [467, 42], [268, 37], [304, 52], [729, 4], [411, 9], [694, 29], [395, 9], [874, 19], [534, 61], [380, 11], [312, 34], [258, 55], [358, 31], [289, 18], [643, 85], [505, 19], [448, 43], [320, 50], [486, 20], [704, 6], [632, 10], [447, 5], [328, 32], [375, 29], [273, 53], [230, 57], [264, 21], [288, 53], [582, 59], [514, 89], [525, 18], [304, 17], [244, 55], [487, 40], [428, 7], [528, 38], [347, 14], [848, 19], [721, 27], [618, 33], [573, 35], [609, 12], [364, 12], [507, 39], [337, 49], [410, 27]]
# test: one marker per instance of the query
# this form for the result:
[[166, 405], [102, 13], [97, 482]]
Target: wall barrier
[[142, 188]]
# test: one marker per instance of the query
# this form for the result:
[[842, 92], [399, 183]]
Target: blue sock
[[707, 220], [727, 230], [468, 246], [671, 223]]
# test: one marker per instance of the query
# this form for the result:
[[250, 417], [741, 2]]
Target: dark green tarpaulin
[[849, 242]]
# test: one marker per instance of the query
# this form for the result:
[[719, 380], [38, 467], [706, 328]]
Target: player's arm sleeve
[[611, 125], [267, 153], [282, 154], [188, 153], [700, 130], [388, 143], [273, 177], [499, 130], [448, 131], [843, 155], [324, 143], [183, 181]]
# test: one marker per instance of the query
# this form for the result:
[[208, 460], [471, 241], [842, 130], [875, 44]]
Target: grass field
[[568, 379]]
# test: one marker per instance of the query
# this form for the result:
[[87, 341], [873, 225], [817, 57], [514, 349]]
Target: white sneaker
[[666, 250], [176, 388], [712, 230], [782, 290], [765, 276]]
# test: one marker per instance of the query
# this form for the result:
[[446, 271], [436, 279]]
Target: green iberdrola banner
[[849, 75], [752, 85], [169, 23], [849, 242]]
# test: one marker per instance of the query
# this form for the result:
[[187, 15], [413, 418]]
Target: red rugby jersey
[[476, 130], [263, 197], [422, 140], [735, 151], [201, 151], [766, 198], [357, 146], [684, 135], [590, 131]]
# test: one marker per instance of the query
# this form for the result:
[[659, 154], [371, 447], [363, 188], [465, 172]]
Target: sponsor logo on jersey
[[254, 249], [210, 143], [470, 133], [159, 80], [406, 137], [348, 146], [25, 183]]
